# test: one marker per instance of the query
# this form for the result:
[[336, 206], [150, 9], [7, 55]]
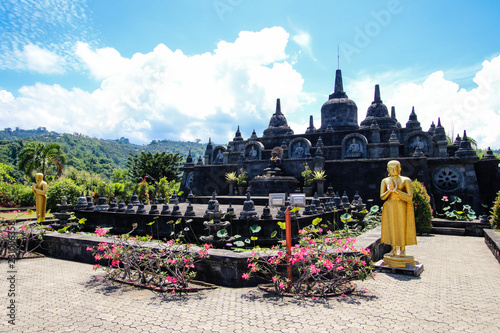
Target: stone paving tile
[[457, 292]]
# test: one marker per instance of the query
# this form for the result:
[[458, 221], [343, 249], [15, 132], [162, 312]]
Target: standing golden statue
[[398, 219], [40, 190]]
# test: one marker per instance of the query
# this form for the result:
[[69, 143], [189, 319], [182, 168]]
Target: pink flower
[[343, 295], [274, 279], [101, 231], [171, 279], [245, 276], [89, 248], [314, 298], [132, 238], [96, 266], [173, 291], [115, 263], [282, 285]]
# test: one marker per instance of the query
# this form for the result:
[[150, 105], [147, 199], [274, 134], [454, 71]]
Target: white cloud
[[477, 110], [168, 94], [55, 24], [303, 39], [102, 63], [39, 60]]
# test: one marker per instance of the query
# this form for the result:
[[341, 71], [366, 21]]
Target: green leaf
[[374, 209], [151, 223], [239, 243], [295, 209], [222, 233], [254, 238], [186, 229], [247, 241], [82, 220], [316, 221], [274, 233], [282, 225], [237, 236], [178, 221], [346, 218], [255, 228]]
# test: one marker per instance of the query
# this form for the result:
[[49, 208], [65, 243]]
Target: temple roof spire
[[377, 99], [338, 91]]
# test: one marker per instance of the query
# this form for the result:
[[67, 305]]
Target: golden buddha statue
[[40, 190], [398, 219]]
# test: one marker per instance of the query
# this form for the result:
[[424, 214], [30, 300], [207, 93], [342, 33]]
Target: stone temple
[[353, 154]]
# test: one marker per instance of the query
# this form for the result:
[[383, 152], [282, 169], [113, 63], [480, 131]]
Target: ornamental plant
[[321, 264], [231, 177], [15, 239], [166, 265], [308, 175], [456, 210], [495, 218], [242, 178], [422, 208]]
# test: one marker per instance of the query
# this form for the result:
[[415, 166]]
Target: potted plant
[[231, 178], [308, 179], [242, 181], [320, 177]]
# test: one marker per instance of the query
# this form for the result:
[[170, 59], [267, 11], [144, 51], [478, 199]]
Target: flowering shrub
[[495, 219], [167, 265], [422, 208], [15, 239], [320, 263]]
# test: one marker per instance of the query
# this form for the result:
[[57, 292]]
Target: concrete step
[[448, 231]]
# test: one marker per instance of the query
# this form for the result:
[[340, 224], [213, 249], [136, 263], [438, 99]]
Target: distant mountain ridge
[[92, 154]]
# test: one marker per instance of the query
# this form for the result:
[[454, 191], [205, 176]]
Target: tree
[[156, 166], [37, 156]]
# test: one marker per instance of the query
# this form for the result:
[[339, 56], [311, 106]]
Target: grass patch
[[14, 214]]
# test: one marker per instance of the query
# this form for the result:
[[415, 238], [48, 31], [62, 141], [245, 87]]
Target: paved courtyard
[[459, 291]]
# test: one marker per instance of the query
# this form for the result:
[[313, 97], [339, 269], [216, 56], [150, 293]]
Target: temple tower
[[339, 111]]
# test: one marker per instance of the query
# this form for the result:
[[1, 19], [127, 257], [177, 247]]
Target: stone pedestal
[[408, 270]]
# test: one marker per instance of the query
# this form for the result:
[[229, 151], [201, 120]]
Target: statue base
[[399, 261], [415, 270]]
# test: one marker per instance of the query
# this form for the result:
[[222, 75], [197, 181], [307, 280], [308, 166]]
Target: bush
[[62, 188], [422, 206], [167, 188], [495, 219], [14, 195], [321, 263], [171, 265]]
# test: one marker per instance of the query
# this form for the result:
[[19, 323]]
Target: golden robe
[[40, 190], [398, 218]]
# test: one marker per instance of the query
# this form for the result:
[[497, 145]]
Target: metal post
[[288, 223]]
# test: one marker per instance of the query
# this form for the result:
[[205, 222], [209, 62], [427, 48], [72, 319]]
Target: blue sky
[[187, 70]]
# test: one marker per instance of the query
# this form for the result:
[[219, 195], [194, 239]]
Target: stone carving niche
[[218, 154], [253, 151], [354, 146], [299, 148], [417, 140]]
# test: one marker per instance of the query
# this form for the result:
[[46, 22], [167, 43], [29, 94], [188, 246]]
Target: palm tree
[[37, 156]]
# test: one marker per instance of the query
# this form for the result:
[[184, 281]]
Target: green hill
[[94, 155]]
